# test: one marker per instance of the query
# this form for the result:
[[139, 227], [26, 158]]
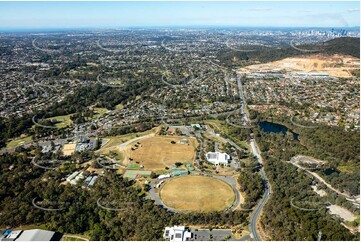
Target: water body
[[269, 127], [330, 171]]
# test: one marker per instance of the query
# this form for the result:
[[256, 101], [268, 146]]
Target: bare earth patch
[[301, 159], [333, 65], [342, 212], [320, 192]]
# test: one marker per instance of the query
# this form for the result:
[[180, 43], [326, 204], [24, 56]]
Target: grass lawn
[[119, 106], [215, 124], [64, 121], [99, 112], [116, 154], [18, 141], [221, 127], [197, 193], [31, 226], [347, 169], [244, 145]]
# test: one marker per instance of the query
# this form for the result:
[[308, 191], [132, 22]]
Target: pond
[[330, 171], [269, 127]]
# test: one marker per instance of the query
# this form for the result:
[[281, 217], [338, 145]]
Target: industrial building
[[92, 181]]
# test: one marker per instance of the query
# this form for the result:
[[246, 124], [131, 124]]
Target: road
[[303, 126], [255, 150], [45, 50], [241, 96], [233, 182], [257, 211], [235, 49], [167, 83], [123, 145], [246, 121], [155, 197], [318, 177], [106, 49], [240, 91], [167, 48], [75, 237], [299, 49]]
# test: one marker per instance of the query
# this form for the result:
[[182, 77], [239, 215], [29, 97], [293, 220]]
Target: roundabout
[[194, 193]]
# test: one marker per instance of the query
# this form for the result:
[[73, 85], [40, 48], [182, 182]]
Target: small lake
[[269, 127], [330, 171]]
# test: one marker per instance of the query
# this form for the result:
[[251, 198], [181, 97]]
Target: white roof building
[[177, 233], [32, 235], [217, 158], [72, 176], [36, 235], [164, 176]]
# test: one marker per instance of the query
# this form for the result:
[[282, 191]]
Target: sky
[[38, 15]]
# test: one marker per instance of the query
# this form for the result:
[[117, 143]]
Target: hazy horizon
[[106, 15]]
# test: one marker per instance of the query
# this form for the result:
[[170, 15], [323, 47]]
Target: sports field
[[157, 152], [197, 193], [69, 149]]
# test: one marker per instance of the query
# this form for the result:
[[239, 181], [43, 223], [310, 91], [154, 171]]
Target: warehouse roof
[[36, 235]]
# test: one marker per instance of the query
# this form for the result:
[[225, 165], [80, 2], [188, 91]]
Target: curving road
[[76, 237], [256, 152], [302, 50], [107, 49], [235, 49], [318, 177], [303, 126], [45, 50], [257, 211], [40, 125]]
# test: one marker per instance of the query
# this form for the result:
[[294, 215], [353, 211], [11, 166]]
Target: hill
[[345, 45], [236, 59]]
